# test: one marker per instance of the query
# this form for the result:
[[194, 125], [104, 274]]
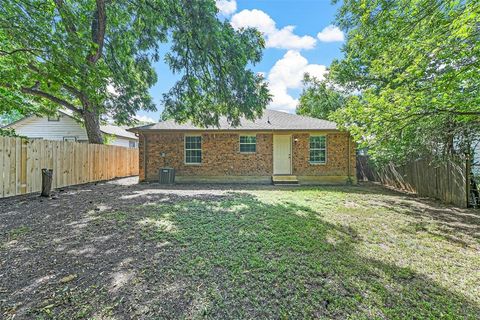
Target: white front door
[[282, 152]]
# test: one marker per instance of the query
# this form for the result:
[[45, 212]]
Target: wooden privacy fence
[[22, 160], [447, 181]]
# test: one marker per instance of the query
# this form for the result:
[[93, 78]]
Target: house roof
[[270, 120], [118, 131], [107, 129]]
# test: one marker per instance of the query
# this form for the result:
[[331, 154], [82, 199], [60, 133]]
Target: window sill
[[317, 163], [247, 152], [192, 164]]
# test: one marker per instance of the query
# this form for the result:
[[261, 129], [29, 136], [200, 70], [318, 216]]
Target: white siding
[[66, 127], [122, 142], [476, 159], [35, 127]]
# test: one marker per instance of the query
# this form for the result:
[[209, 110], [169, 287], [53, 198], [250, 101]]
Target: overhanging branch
[[50, 97], [30, 50]]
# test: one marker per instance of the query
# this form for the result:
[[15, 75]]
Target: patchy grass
[[12, 236], [16, 233], [314, 253], [330, 252]]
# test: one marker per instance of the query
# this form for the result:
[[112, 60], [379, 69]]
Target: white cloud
[[255, 19], [226, 7], [331, 34], [275, 38], [287, 73], [286, 39], [145, 119]]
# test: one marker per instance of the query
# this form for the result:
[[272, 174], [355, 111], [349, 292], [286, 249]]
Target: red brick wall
[[337, 156], [221, 155]]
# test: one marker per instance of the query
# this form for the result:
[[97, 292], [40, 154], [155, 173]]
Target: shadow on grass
[[452, 221], [252, 259], [220, 255]]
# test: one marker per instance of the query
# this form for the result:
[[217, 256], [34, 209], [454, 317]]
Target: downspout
[[349, 179], [144, 157]]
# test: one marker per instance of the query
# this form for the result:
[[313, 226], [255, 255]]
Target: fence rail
[[447, 181], [21, 161]]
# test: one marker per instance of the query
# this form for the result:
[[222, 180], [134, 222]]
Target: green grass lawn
[[313, 253], [258, 252]]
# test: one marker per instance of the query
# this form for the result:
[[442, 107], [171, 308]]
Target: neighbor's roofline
[[137, 130], [68, 115], [8, 125]]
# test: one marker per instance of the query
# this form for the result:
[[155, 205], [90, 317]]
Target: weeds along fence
[[21, 162], [447, 181]]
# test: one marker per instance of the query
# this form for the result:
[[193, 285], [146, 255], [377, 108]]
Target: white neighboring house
[[65, 127]]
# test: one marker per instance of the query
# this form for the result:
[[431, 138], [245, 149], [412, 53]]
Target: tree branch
[[99, 23], [50, 97], [69, 26], [80, 95], [30, 50]]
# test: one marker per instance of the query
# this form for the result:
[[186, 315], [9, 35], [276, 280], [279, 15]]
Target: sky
[[300, 37]]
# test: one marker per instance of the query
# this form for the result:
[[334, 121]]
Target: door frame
[[290, 156]]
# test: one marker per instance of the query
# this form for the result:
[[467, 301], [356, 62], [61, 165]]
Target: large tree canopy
[[416, 64], [319, 98], [95, 58]]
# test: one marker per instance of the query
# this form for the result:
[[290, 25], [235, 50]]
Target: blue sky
[[300, 38]]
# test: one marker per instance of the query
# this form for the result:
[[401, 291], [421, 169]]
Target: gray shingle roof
[[270, 120], [108, 128], [118, 131]]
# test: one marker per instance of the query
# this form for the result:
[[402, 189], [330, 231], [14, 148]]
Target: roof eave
[[136, 130]]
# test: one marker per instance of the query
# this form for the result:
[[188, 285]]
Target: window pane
[[193, 149], [193, 142], [248, 143], [193, 156], [318, 149], [317, 142], [247, 148]]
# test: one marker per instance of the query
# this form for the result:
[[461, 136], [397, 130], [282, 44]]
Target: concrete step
[[284, 180]]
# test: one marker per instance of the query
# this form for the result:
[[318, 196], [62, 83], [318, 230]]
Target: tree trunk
[[92, 125]]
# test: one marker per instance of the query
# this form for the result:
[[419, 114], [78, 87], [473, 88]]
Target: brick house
[[278, 146]]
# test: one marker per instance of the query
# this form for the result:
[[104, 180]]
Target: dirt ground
[[59, 257], [49, 243]]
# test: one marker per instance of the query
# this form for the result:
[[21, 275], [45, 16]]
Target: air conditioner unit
[[167, 175]]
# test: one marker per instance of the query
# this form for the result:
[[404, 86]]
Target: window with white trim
[[193, 149], [248, 144], [70, 138], [318, 149]]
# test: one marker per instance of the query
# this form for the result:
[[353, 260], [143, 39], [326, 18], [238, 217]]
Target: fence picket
[[446, 181], [21, 161]]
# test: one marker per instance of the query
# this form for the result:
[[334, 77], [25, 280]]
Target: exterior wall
[[221, 157], [338, 156], [476, 160], [122, 142], [40, 127]]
